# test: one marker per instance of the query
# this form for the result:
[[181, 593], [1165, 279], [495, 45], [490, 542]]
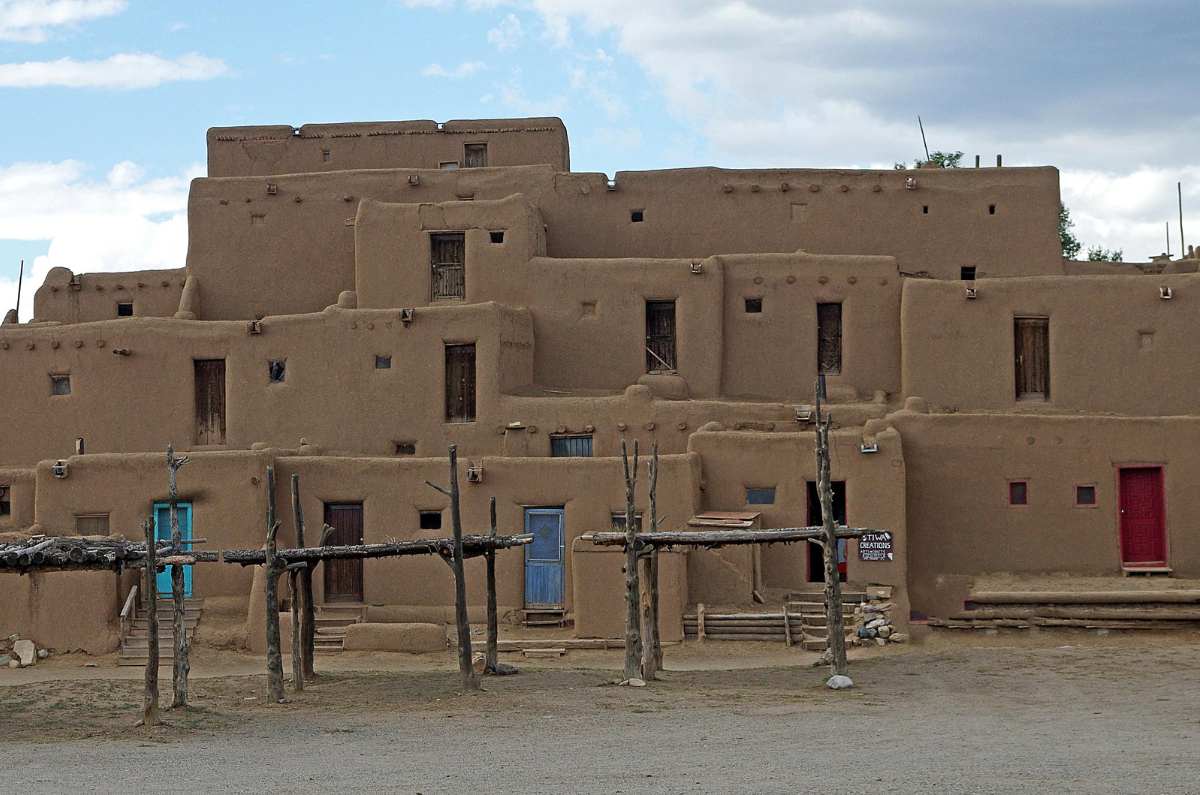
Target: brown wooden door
[[1143, 520], [210, 401], [829, 339], [344, 578], [1031, 352], [460, 383], [448, 258], [660, 336]]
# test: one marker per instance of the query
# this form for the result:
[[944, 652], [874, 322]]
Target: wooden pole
[[308, 619], [651, 647], [469, 680], [493, 621], [182, 666], [150, 703], [833, 586], [272, 569], [633, 634], [20, 284], [294, 573]]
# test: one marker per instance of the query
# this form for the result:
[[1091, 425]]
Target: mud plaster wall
[[600, 591], [65, 611], [153, 294], [875, 489], [282, 149], [1115, 345], [300, 240], [22, 486], [959, 519]]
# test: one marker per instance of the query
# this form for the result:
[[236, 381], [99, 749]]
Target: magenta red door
[[1143, 524]]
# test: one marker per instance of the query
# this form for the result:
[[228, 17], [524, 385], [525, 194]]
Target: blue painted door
[[162, 531], [544, 558]]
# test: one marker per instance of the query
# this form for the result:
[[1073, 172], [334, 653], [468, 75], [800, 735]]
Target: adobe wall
[[22, 485], [153, 293], [283, 149], [959, 519], [65, 611], [599, 574], [1115, 345]]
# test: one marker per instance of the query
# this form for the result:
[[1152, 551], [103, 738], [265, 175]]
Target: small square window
[[571, 446], [431, 520], [760, 495], [991, 209], [125, 309], [91, 524], [383, 362], [924, 209], [60, 384], [405, 447], [5, 501], [637, 216], [967, 273], [618, 521], [326, 155], [1085, 496], [277, 370], [753, 306], [497, 236], [1018, 492]]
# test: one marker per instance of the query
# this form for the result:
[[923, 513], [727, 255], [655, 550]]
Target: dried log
[[308, 619], [493, 628], [473, 546], [297, 630], [273, 568], [182, 666], [651, 650], [1082, 597], [150, 703], [833, 584], [633, 631], [469, 679]]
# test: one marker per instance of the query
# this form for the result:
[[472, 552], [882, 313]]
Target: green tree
[[944, 159], [1070, 243], [1098, 254]]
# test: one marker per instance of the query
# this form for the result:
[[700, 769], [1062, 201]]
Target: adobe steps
[[135, 646], [1115, 609]]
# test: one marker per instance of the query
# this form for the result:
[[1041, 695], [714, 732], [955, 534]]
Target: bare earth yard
[[1048, 712]]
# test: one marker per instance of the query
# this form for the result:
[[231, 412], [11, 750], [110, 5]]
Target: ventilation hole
[[383, 362], [754, 305], [497, 237], [991, 209], [637, 216], [277, 370]]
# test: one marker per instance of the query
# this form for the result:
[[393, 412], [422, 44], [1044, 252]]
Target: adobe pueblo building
[[359, 296]]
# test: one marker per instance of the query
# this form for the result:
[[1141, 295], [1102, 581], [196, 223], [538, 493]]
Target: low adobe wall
[[600, 591], [67, 298], [65, 611]]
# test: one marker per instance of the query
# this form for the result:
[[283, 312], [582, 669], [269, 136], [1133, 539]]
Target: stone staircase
[[810, 607], [331, 621], [135, 644]]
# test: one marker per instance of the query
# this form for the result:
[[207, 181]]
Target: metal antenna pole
[[1168, 238], [20, 279], [923, 141], [1179, 191]]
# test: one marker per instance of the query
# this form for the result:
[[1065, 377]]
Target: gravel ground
[[1059, 713]]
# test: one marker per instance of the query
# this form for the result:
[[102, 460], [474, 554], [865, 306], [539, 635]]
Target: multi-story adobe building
[[358, 296]]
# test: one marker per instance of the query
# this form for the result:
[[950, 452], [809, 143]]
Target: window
[[60, 384], [383, 361], [326, 155], [448, 165], [5, 501], [474, 155], [125, 309], [753, 306], [924, 209], [967, 273], [618, 521], [210, 401], [760, 495], [1085, 496], [277, 370], [637, 216], [405, 447], [571, 446], [460, 383], [431, 520], [829, 339], [447, 253], [660, 336], [1031, 355], [991, 209], [497, 236], [1018, 492], [91, 524]]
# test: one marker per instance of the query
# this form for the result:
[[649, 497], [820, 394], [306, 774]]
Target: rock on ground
[[26, 652]]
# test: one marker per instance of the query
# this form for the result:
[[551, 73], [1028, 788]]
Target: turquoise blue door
[[162, 531], [544, 558]]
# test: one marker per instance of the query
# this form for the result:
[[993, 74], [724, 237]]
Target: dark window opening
[[405, 448], [326, 155], [991, 209], [497, 236], [475, 155], [448, 165], [571, 446], [383, 362], [460, 383], [1018, 493], [91, 524], [431, 520], [760, 495], [816, 559], [660, 336], [448, 263], [967, 273], [1031, 355], [637, 216], [753, 305], [125, 309], [618, 522], [5, 501], [60, 385], [829, 339], [210, 401], [924, 209], [277, 370], [1085, 495]]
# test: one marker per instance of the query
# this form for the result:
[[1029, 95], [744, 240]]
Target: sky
[[104, 103]]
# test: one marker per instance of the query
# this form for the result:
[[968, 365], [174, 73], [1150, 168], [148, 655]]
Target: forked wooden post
[[182, 666], [470, 680], [493, 621], [308, 619], [272, 570], [835, 630], [633, 634], [294, 573], [651, 646], [150, 703]]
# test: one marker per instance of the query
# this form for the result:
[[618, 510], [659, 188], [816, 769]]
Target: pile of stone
[[873, 620], [16, 652]]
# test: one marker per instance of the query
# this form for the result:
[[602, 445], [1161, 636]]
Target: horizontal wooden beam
[[473, 546], [721, 538]]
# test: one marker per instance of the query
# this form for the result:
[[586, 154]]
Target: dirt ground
[[1014, 712]]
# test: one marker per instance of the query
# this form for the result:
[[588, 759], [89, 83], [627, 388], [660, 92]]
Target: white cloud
[[463, 70], [30, 21], [1130, 210], [123, 222], [507, 35], [122, 71]]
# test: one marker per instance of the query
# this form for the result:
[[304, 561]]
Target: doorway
[[210, 401], [162, 532], [544, 574], [344, 578], [816, 560], [1142, 517]]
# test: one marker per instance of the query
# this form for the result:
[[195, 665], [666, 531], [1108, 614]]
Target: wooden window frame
[[474, 146], [57, 378], [95, 515], [664, 359], [1018, 363], [1008, 496], [555, 437], [1095, 495], [441, 269], [774, 490]]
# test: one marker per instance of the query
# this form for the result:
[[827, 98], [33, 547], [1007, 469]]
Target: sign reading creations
[[876, 547]]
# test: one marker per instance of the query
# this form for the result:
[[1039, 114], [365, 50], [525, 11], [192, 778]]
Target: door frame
[[561, 512], [185, 530], [1166, 535], [362, 579]]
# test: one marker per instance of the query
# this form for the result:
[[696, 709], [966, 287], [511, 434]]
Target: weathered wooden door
[[1031, 351], [162, 531], [1143, 520], [660, 336], [448, 261], [344, 578], [816, 558], [544, 558], [210, 401], [829, 339], [460, 383]]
